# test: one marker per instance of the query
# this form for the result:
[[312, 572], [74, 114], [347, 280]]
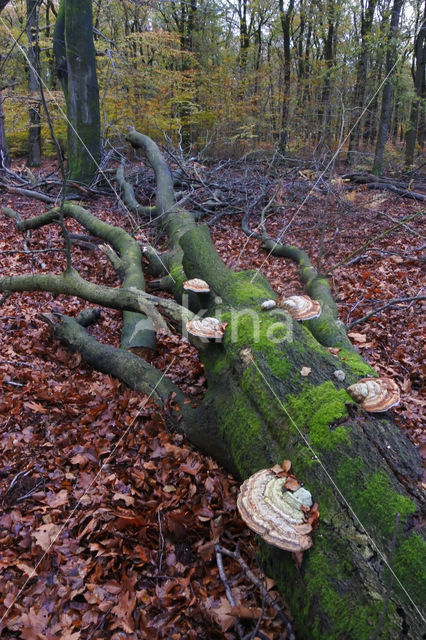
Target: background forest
[[235, 75]]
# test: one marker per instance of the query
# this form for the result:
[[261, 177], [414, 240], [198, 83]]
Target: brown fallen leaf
[[357, 337], [46, 535]]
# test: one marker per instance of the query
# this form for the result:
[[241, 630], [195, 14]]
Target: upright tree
[[285, 18], [34, 135], [391, 57], [74, 51], [367, 16], [4, 153], [418, 104]]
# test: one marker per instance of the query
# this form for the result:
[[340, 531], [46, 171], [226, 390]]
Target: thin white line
[[64, 116], [308, 444], [105, 462]]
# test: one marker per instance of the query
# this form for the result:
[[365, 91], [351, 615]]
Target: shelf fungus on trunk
[[282, 516], [196, 285], [375, 394], [198, 292], [207, 328], [301, 307]]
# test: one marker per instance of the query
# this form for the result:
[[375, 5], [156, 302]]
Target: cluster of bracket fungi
[[274, 505], [272, 502], [265, 501]]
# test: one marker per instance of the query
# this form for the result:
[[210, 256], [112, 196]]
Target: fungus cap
[[210, 328], [301, 307], [196, 285], [375, 394], [275, 513]]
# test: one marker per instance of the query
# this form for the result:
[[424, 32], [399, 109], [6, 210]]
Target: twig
[[228, 591], [374, 238], [390, 303], [32, 251], [268, 599]]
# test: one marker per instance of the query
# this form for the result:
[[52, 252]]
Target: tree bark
[[285, 18], [76, 67], [34, 135], [361, 79], [420, 93], [259, 410], [391, 55]]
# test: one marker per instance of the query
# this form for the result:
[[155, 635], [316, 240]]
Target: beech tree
[[362, 578], [76, 67], [391, 54], [418, 104]]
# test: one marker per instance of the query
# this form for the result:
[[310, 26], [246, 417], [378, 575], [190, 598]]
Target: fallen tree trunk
[[362, 578]]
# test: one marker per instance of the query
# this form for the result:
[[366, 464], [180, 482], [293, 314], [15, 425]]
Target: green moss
[[248, 287], [261, 332], [178, 275], [355, 362], [350, 615], [243, 428], [325, 608], [372, 497], [410, 567], [314, 410]]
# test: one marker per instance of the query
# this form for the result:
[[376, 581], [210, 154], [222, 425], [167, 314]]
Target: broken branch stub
[[277, 515], [375, 394]]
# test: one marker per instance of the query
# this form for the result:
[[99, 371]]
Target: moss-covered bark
[[359, 467]]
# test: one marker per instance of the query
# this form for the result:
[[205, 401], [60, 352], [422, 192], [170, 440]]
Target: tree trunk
[[34, 135], [420, 93], [391, 54], [4, 153], [76, 67], [259, 410], [285, 18], [361, 80]]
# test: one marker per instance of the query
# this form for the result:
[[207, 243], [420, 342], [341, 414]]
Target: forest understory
[[138, 511]]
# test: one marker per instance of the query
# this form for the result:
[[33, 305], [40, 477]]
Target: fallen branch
[[391, 303], [258, 584], [379, 236]]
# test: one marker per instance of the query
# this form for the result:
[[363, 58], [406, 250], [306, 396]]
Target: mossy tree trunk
[[259, 410], [74, 52]]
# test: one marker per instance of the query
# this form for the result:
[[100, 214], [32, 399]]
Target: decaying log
[[259, 410]]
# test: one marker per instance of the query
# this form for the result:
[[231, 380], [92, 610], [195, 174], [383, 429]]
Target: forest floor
[[108, 523]]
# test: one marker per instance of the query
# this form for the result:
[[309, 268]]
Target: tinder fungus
[[277, 515], [196, 285], [301, 307], [209, 328], [375, 394]]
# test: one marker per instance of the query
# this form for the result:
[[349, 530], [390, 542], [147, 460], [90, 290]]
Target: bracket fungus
[[279, 516], [196, 285], [208, 328], [375, 394], [301, 307]]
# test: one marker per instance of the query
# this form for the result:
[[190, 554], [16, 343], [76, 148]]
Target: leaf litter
[[108, 522]]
